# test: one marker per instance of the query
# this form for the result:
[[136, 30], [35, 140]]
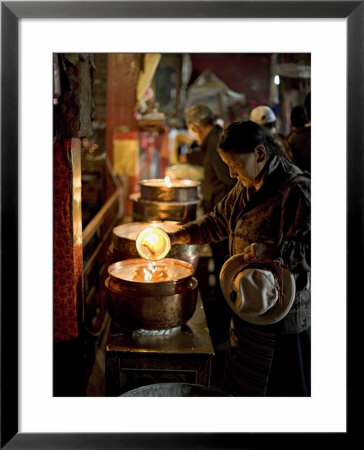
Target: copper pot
[[124, 236], [155, 210], [175, 191], [134, 305]]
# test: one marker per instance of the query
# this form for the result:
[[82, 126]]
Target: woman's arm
[[294, 240], [211, 227], [295, 245]]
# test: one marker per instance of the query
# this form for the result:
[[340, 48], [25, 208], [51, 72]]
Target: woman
[[266, 216]]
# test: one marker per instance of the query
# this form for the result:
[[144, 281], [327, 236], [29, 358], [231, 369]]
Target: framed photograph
[[333, 32]]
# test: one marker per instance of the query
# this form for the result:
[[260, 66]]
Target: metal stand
[[183, 354]]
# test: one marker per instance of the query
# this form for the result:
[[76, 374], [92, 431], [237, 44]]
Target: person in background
[[267, 219], [200, 122], [298, 118], [264, 116], [300, 140]]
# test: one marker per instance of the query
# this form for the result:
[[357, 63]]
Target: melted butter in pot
[[148, 273], [151, 272]]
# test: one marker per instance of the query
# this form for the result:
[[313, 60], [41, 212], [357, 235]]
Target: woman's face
[[243, 166]]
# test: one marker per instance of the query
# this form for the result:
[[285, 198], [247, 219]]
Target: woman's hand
[[260, 251], [179, 237]]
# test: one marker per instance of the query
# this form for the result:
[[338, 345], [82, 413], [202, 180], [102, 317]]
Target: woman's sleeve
[[214, 226], [295, 246]]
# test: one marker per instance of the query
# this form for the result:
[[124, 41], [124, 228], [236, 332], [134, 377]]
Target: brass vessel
[[134, 305], [147, 210], [160, 190]]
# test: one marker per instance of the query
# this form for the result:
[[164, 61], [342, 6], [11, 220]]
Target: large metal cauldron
[[155, 210], [135, 305], [162, 199], [124, 237], [169, 191]]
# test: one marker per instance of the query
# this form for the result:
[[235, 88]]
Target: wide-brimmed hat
[[261, 293]]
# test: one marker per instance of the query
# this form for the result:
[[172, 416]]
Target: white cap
[[262, 115]]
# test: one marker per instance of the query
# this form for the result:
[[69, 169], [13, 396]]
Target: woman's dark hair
[[244, 136]]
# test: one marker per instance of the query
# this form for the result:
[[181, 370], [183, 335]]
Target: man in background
[[200, 122], [300, 140], [265, 117]]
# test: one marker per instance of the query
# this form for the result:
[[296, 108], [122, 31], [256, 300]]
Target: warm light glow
[[167, 181], [148, 273], [153, 271], [153, 243]]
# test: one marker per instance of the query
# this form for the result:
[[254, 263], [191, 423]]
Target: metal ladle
[[153, 243]]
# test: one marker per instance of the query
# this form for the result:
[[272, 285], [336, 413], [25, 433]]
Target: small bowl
[[153, 243]]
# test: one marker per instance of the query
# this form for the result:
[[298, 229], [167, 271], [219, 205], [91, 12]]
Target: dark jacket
[[263, 217], [299, 143], [217, 181]]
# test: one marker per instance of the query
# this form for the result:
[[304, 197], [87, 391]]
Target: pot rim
[[136, 197], [153, 296], [189, 183], [153, 283]]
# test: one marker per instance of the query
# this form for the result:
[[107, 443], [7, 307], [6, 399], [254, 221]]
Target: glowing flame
[[150, 267], [167, 181], [148, 273]]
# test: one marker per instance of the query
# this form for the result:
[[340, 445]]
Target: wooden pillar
[[121, 94], [121, 102]]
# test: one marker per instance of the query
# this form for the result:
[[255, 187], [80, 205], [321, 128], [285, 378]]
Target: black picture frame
[[11, 12]]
